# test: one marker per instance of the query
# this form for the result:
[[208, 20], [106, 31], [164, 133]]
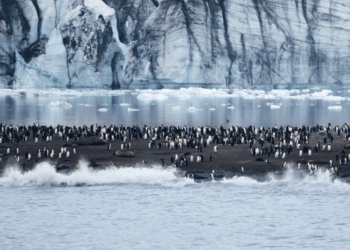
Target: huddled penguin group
[[203, 144]]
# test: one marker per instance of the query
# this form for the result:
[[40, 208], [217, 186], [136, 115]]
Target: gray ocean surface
[[152, 208]]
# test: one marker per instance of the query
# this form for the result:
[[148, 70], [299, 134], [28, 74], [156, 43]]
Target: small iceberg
[[133, 110], [102, 110], [60, 105], [273, 106], [335, 107]]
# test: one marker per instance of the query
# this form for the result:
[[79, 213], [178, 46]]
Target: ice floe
[[133, 110], [102, 110], [193, 109], [274, 106], [335, 107], [61, 104]]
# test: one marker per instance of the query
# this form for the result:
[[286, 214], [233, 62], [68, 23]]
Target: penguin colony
[[264, 144]]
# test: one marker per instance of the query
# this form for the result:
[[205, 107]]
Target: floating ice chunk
[[88, 105], [259, 106], [124, 104], [193, 109], [273, 106], [268, 104], [212, 109], [60, 105], [176, 108], [102, 110], [223, 104], [335, 107], [133, 110], [231, 107], [312, 104], [152, 96]]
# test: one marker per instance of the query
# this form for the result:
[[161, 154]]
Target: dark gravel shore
[[234, 158]]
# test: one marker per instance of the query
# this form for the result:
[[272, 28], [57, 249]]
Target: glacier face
[[114, 43]]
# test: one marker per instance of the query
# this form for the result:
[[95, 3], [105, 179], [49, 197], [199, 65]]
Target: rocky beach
[[200, 153]]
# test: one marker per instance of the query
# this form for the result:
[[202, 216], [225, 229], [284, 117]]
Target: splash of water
[[44, 174]]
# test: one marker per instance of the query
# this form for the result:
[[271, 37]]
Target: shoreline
[[227, 151]]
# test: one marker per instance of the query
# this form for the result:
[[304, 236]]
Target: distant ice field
[[185, 106]]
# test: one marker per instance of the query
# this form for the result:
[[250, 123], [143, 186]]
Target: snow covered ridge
[[113, 43]]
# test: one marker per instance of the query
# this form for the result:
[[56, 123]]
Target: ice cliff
[[120, 43]]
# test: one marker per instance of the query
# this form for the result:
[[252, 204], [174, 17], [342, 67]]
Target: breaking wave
[[45, 175]]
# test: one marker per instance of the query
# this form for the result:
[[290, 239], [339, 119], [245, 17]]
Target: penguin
[[198, 158], [329, 148], [300, 153], [109, 146], [8, 151], [276, 154], [330, 163], [67, 154], [242, 169], [162, 160], [122, 146], [215, 148], [212, 174], [17, 158], [39, 154], [309, 152], [59, 155], [29, 157], [283, 155], [176, 157], [285, 164], [17, 150], [52, 155], [74, 151], [211, 158], [299, 165], [191, 158]]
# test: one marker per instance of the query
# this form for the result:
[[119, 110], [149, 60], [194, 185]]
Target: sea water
[[152, 208], [191, 107]]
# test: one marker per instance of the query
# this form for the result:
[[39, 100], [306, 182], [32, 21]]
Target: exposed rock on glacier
[[95, 43]]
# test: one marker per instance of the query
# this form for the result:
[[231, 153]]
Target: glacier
[[173, 43]]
